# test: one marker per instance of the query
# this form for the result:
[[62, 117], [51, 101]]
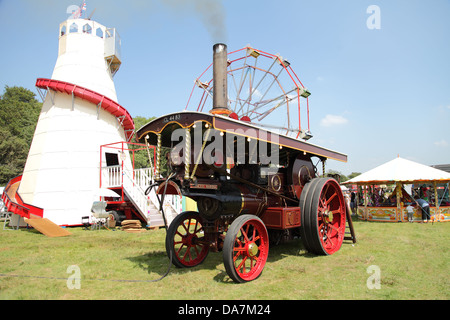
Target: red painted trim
[[18, 206], [96, 98]]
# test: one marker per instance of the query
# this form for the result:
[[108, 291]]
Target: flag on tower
[[79, 12]]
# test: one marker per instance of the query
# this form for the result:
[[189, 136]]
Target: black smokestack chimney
[[220, 75]]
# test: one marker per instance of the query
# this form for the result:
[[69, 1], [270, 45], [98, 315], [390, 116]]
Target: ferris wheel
[[262, 89]]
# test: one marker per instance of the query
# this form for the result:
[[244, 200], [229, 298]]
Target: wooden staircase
[[134, 184]]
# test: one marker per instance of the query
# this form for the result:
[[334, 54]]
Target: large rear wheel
[[185, 240], [322, 216], [246, 248]]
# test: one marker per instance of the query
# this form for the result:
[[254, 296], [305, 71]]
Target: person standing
[[353, 203], [410, 210], [425, 209]]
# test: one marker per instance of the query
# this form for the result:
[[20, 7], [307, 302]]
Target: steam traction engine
[[250, 184]]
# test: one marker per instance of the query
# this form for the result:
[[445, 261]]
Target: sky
[[378, 71]]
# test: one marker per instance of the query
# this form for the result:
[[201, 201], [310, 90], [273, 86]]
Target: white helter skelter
[[80, 113]]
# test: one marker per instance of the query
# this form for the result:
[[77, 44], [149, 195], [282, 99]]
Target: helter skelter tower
[[79, 114]]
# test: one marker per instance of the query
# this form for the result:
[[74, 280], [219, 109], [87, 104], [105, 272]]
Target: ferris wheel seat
[[234, 116]]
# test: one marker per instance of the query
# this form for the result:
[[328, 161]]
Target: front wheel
[[246, 248], [185, 240]]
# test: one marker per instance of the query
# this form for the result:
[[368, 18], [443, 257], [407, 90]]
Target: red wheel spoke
[[322, 204], [333, 227], [178, 233], [187, 253], [184, 225], [242, 264], [179, 249], [253, 260], [195, 227], [321, 226], [331, 198], [239, 253], [196, 250], [325, 191], [244, 233], [329, 242], [240, 249]]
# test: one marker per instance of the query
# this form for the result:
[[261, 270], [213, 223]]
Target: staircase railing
[[136, 191], [135, 184]]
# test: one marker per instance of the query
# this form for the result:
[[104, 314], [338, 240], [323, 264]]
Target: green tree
[[353, 174], [334, 173], [19, 113], [141, 157]]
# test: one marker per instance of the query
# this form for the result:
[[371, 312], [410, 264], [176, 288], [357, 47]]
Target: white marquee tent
[[400, 171]]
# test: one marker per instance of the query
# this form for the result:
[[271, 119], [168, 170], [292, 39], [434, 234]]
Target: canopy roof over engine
[[166, 124]]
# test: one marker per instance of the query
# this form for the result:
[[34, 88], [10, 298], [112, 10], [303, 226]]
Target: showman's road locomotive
[[250, 184]]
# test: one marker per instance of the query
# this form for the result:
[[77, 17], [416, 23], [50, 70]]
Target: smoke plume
[[210, 12]]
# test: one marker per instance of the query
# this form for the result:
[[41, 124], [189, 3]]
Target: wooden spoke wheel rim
[[185, 240], [246, 248]]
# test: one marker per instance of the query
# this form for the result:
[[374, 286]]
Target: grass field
[[412, 260]]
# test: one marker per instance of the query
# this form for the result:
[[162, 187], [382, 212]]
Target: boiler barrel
[[234, 200]]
